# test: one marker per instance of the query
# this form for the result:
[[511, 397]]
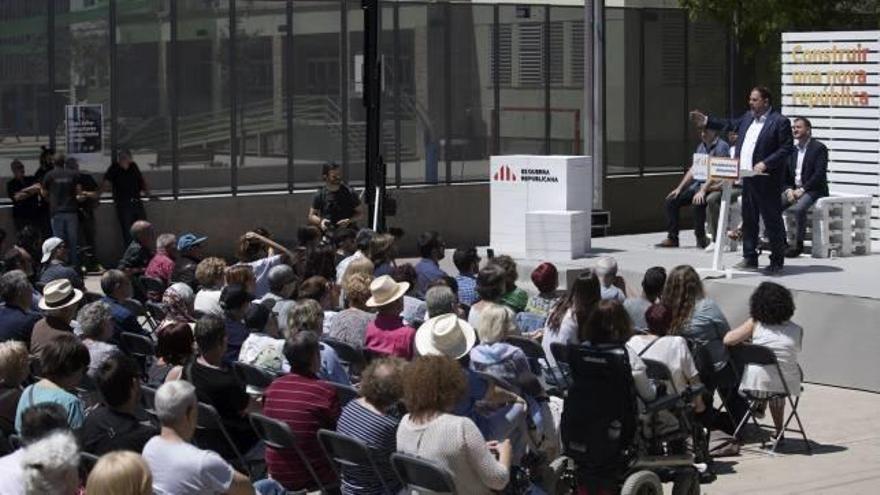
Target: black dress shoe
[[746, 265], [773, 270], [794, 251], [702, 242]]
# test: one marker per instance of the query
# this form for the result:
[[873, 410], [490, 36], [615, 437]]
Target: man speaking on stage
[[764, 145]]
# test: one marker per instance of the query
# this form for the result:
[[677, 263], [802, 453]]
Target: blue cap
[[188, 241]]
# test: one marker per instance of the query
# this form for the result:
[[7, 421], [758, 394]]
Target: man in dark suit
[[764, 145], [806, 179]]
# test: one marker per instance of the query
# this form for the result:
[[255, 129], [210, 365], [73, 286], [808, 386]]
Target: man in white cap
[[59, 303], [448, 335], [387, 333], [55, 267]]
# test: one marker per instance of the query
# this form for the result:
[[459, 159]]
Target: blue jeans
[[66, 227], [800, 207]]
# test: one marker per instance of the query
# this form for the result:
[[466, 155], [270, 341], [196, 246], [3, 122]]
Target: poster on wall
[[85, 130]]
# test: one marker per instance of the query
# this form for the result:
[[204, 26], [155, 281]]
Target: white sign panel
[[700, 166], [527, 183], [84, 125], [833, 78], [723, 168]]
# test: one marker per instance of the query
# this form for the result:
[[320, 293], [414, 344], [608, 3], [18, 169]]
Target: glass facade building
[[232, 96]]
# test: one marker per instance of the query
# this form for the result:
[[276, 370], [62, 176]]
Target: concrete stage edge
[[837, 300]]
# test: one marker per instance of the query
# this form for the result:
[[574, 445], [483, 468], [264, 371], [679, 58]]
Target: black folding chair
[[278, 435], [209, 421], [659, 372], [252, 375], [140, 347], [148, 402], [422, 475], [138, 309], [535, 353], [154, 288], [560, 354], [746, 354], [87, 462], [351, 357], [345, 393], [155, 313], [349, 452]]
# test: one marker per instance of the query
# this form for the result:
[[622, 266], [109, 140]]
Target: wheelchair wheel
[[642, 483], [686, 483]]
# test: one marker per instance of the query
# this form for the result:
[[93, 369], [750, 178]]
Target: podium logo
[[504, 174]]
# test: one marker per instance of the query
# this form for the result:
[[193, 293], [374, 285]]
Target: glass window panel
[[144, 113], [24, 93], [567, 80], [521, 116], [317, 110], [261, 65], [204, 150], [472, 92], [82, 72], [622, 95], [665, 76]]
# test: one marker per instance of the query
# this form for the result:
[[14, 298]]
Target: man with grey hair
[[179, 467], [606, 270], [117, 289], [440, 300], [17, 319], [140, 250], [282, 287], [51, 464], [96, 328], [162, 264]]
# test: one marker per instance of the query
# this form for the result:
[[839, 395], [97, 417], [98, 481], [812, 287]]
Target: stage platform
[[838, 300]]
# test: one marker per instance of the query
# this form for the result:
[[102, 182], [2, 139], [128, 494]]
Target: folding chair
[[349, 452], [155, 313], [352, 359], [535, 354], [759, 355], [148, 402], [278, 435], [253, 376], [530, 322], [140, 312], [560, 353], [345, 393], [140, 347], [209, 420], [154, 288], [422, 475], [659, 372], [87, 461]]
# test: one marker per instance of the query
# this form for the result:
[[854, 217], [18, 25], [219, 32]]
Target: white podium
[[541, 206]]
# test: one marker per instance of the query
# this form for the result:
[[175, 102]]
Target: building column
[[278, 77]]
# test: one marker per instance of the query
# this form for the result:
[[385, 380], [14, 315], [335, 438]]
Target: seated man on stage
[[692, 191], [805, 180]]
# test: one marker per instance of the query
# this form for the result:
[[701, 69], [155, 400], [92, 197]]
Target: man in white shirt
[[806, 179], [764, 146], [178, 467]]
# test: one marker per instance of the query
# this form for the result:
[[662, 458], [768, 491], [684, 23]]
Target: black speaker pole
[[372, 82]]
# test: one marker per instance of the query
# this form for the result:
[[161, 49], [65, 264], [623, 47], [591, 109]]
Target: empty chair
[[252, 376], [422, 475], [349, 453], [536, 355], [277, 435]]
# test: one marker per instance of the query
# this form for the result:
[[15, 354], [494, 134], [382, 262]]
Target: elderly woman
[[210, 274], [307, 315], [13, 371], [514, 297], [350, 324], [96, 324], [178, 302], [120, 473], [432, 385], [63, 361], [174, 348], [51, 465], [373, 419]]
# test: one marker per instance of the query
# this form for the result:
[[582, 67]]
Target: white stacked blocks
[[540, 206]]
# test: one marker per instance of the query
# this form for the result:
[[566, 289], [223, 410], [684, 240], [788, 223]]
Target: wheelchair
[[612, 444]]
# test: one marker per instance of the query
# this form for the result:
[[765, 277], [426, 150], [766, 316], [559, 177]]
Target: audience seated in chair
[[771, 307], [574, 309], [13, 371], [235, 300], [467, 262], [51, 464], [120, 473], [373, 419], [387, 333], [513, 297], [545, 277], [282, 291], [432, 385], [306, 316], [414, 309], [178, 303], [55, 263], [178, 466], [211, 273], [174, 349], [36, 422], [59, 303], [306, 404], [64, 361], [117, 288], [652, 287], [113, 425], [96, 329], [161, 266], [613, 286], [17, 317], [350, 324], [264, 346]]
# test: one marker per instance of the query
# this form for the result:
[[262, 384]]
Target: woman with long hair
[[573, 310]]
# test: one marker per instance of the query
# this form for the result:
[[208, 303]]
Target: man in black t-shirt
[[24, 191], [335, 204], [60, 186], [88, 200], [124, 178]]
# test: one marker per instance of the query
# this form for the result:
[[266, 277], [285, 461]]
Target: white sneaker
[[710, 247]]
